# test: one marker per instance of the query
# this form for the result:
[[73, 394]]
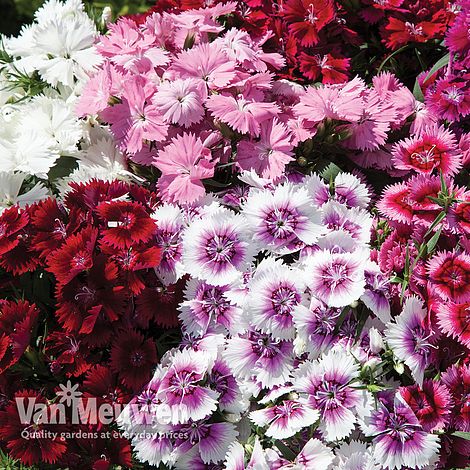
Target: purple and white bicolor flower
[[314, 456], [153, 448], [286, 419], [275, 293], [212, 440], [139, 414], [399, 440], [325, 384], [170, 225], [349, 190], [259, 355], [409, 337], [283, 220], [355, 456], [336, 241], [211, 344], [375, 297], [317, 189], [314, 326], [181, 387], [337, 279], [235, 458], [275, 392], [207, 305], [354, 221], [204, 207], [224, 383], [216, 248]]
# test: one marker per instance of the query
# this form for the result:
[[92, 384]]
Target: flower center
[[329, 395], [421, 340], [264, 346], [220, 249], [79, 261], [311, 15], [413, 30], [284, 299], [453, 95], [85, 294], [455, 275], [60, 228], [324, 321], [214, 303], [137, 358], [281, 222], [335, 274], [126, 220], [181, 383], [426, 157]]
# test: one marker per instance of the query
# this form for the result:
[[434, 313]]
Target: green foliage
[[26, 8], [121, 7], [442, 62], [63, 167], [7, 463]]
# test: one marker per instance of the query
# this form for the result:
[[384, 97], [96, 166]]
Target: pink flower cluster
[[169, 95]]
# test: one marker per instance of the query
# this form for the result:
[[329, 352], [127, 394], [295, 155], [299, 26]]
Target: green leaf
[[361, 322], [285, 451], [216, 184], [330, 172], [226, 165], [463, 435], [439, 218], [189, 41], [443, 183], [63, 167], [442, 62], [341, 318], [417, 92], [431, 244], [376, 388], [435, 199], [7, 463], [407, 260], [393, 54]]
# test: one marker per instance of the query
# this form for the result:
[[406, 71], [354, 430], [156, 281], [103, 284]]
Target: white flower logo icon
[[68, 393]]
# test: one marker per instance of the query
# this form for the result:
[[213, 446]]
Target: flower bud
[[107, 15], [372, 363], [399, 367], [376, 343], [232, 417], [300, 346]]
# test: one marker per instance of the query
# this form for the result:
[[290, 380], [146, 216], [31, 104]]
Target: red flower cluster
[[17, 321], [409, 21], [321, 38], [101, 323]]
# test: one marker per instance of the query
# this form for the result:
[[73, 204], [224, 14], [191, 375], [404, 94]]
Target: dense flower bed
[[209, 261]]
